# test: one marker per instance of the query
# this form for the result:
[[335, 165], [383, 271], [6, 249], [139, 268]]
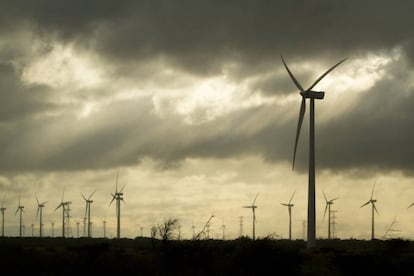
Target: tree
[[167, 228]]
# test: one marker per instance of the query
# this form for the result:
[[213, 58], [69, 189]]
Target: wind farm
[[198, 106]]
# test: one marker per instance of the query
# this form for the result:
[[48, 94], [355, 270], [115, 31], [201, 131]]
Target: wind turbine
[[88, 211], [20, 210], [372, 201], [312, 95], [39, 213], [328, 208], [65, 211], [2, 209], [253, 207], [118, 196], [290, 205]]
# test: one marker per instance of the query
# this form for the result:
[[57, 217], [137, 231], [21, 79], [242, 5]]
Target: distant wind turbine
[[312, 95], [328, 208], [39, 214], [2, 209], [290, 205], [65, 211], [118, 196], [20, 210], [253, 207], [88, 211], [372, 201]]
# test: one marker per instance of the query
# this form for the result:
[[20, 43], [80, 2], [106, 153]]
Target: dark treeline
[[146, 256]]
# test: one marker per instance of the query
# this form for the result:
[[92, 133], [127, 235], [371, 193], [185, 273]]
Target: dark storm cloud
[[19, 100], [203, 36], [378, 130]]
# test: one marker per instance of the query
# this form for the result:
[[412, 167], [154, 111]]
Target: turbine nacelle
[[313, 94]]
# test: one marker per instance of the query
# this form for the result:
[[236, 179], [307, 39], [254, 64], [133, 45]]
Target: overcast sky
[[190, 102]]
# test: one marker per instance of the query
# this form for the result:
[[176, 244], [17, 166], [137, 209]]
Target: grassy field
[[145, 256]]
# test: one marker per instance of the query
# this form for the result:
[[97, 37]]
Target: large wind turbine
[[372, 201], [328, 208], [290, 205], [20, 210], [118, 196], [312, 95], [88, 211], [39, 213], [253, 207], [2, 209]]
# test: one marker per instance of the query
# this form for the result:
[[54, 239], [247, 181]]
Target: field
[[145, 256]]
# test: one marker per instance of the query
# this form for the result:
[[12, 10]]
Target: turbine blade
[[336, 198], [254, 201], [84, 197], [285, 204], [37, 200], [375, 208], [113, 198], [365, 204], [300, 120], [412, 204], [324, 213], [116, 184], [91, 195], [290, 200], [292, 76], [58, 206], [324, 74], [324, 195], [122, 188], [17, 210], [372, 192], [37, 212]]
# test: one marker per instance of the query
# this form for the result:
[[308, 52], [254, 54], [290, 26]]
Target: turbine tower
[[65, 213], [312, 95], [88, 212], [328, 208], [253, 207], [20, 210], [118, 196], [372, 201], [39, 214], [2, 209], [290, 205]]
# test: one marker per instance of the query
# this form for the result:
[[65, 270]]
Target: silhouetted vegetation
[[149, 256]]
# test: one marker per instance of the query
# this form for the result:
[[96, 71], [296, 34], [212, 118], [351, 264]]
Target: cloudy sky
[[190, 102]]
